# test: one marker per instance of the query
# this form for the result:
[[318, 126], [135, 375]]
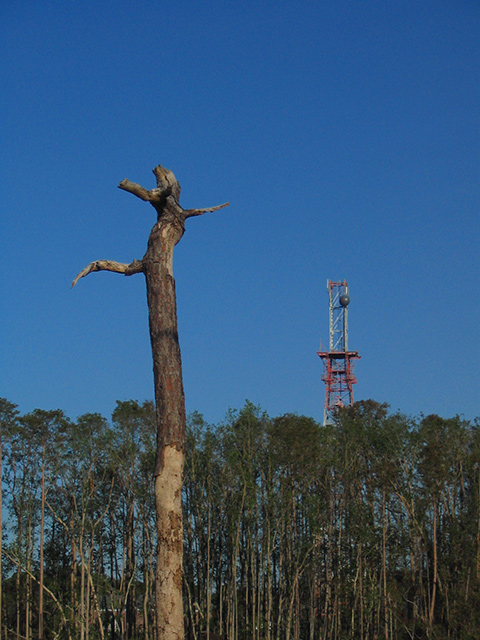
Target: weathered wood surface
[[168, 384]]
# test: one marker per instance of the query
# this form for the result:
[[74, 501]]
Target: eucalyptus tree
[[47, 431], [157, 266], [468, 564], [83, 502], [133, 432], [458, 539], [21, 482], [203, 518], [443, 462], [371, 447], [242, 443], [352, 603], [294, 450]]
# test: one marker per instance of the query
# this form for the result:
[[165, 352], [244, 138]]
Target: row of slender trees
[[366, 529]]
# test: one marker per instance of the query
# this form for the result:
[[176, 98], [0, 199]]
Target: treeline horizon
[[368, 528]]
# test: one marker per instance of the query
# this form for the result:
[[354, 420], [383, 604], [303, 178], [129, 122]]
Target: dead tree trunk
[[169, 395]]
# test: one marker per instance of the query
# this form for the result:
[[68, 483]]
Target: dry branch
[[167, 186], [109, 265], [138, 190], [199, 212]]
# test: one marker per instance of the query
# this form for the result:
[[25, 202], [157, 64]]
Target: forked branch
[[167, 186], [109, 265]]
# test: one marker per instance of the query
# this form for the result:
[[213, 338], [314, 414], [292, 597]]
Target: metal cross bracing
[[338, 360]]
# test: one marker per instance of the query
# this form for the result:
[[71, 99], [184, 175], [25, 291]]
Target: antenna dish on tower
[[338, 360]]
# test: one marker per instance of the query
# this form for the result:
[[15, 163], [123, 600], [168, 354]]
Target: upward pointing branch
[[199, 212]]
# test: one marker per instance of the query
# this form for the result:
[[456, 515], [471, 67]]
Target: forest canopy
[[366, 528]]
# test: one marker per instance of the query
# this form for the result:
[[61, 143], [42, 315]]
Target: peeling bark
[[157, 265]]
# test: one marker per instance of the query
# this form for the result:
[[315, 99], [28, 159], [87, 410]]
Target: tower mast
[[338, 360]]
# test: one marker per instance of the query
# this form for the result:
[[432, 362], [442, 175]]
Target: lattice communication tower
[[338, 360]]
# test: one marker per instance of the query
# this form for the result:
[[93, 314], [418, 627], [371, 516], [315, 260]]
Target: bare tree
[[169, 394]]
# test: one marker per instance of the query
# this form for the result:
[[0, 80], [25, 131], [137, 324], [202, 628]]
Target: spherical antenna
[[344, 300]]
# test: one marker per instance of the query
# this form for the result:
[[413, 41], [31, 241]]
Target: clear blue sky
[[345, 134]]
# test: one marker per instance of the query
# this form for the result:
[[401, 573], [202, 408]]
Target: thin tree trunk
[[82, 587], [130, 567], [87, 564], [17, 602], [361, 592], [28, 607], [254, 590], [220, 606], [147, 555], [208, 586], [42, 537], [435, 565], [73, 574], [146, 598], [269, 594], [113, 575], [384, 566]]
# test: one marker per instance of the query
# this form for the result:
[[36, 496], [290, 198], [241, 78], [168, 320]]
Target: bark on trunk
[[170, 414], [168, 383]]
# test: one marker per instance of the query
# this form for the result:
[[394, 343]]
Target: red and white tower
[[338, 360]]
